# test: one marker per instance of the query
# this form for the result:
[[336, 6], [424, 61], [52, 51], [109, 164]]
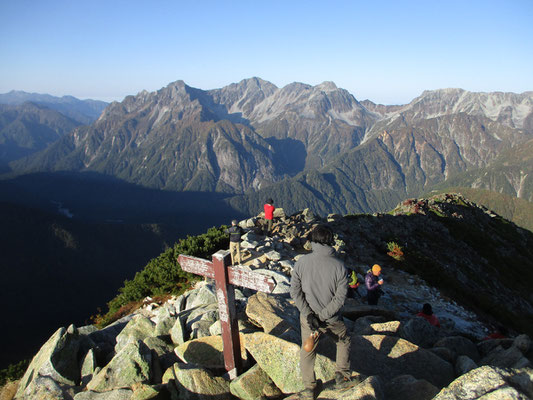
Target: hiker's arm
[[298, 295], [338, 299], [369, 284]]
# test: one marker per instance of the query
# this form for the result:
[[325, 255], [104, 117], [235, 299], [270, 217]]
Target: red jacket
[[432, 319], [269, 211]]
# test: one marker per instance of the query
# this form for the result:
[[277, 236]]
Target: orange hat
[[376, 269]]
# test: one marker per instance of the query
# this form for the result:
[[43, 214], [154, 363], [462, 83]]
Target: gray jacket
[[319, 283]]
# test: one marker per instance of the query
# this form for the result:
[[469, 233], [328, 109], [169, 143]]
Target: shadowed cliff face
[[302, 142]]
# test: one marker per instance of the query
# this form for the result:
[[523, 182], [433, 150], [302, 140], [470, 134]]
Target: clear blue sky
[[386, 51]]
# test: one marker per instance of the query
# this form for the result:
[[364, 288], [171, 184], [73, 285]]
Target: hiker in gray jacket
[[319, 285]]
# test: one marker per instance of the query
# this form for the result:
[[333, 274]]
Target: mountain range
[[82, 111], [302, 145]]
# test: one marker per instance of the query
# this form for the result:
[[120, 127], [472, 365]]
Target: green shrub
[[163, 275], [13, 372]]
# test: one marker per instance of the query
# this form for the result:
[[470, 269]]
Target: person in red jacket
[[269, 215], [427, 314]]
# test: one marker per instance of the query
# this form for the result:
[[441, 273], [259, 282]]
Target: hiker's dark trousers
[[337, 331]]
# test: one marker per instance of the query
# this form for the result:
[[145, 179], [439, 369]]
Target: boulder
[[164, 320], [490, 383], [162, 350], [390, 328], [131, 365], [275, 315], [139, 328], [463, 365], [206, 352], [503, 358], [249, 244], [56, 359], [188, 382], [150, 392], [444, 353], [106, 338], [370, 389], [206, 313], [486, 346], [279, 213], [461, 346], [250, 385], [522, 343], [88, 367], [177, 332], [244, 326], [117, 394], [406, 387], [389, 357], [200, 328], [46, 388], [354, 310], [273, 255], [361, 324], [201, 296], [280, 361], [420, 332], [283, 284]]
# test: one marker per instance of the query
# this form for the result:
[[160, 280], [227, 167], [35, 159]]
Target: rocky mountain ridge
[[298, 142], [28, 128], [82, 111], [173, 349]]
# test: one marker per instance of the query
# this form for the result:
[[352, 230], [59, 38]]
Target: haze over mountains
[[305, 146]]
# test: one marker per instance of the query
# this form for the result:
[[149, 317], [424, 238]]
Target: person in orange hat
[[373, 284]]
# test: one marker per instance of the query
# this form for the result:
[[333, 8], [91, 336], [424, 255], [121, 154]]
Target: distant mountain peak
[[327, 86]]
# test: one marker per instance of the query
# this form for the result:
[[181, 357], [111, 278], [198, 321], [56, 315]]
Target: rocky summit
[[173, 349]]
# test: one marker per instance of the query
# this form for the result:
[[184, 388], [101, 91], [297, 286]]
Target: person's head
[[322, 234], [270, 201], [426, 309], [234, 222], [376, 270]]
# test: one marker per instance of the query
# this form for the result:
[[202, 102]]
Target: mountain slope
[[167, 140], [305, 145], [401, 162], [518, 211], [510, 173], [55, 269], [29, 128], [311, 123], [82, 111]]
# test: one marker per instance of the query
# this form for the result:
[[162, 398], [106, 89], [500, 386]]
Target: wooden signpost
[[226, 277]]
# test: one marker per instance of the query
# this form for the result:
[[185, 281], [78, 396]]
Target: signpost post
[[226, 277]]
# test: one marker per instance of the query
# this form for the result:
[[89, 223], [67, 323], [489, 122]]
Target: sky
[[385, 51]]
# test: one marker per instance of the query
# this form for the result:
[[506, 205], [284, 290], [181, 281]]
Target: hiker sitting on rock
[[373, 285], [318, 286], [501, 332], [427, 314], [353, 284]]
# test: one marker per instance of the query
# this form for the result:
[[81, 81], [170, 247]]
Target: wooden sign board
[[226, 277]]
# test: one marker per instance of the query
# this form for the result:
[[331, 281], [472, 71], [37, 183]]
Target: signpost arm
[[228, 316]]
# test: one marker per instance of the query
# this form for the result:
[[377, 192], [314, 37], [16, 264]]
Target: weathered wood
[[197, 266], [251, 280], [228, 317], [225, 279]]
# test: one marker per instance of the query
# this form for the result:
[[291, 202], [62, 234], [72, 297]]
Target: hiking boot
[[343, 381], [306, 394]]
